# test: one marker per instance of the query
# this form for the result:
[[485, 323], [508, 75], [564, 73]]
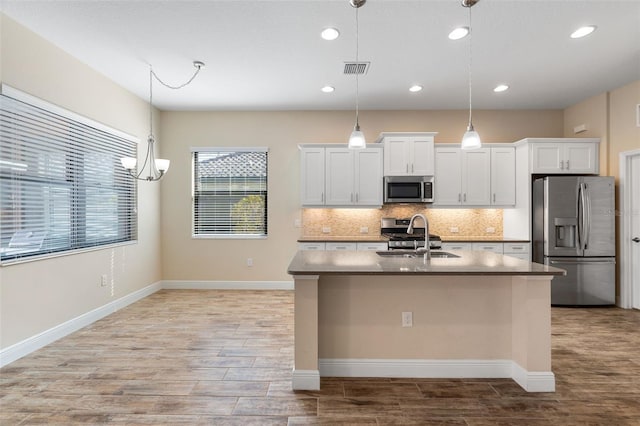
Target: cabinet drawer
[[516, 247], [456, 246], [492, 247], [372, 246], [311, 246], [341, 246], [523, 256]]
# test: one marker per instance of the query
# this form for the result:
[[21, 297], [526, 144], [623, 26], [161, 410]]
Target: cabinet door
[[503, 176], [492, 247], [448, 177], [421, 157], [580, 158], [312, 176], [396, 157], [368, 177], [311, 246], [341, 246], [339, 177], [546, 158], [476, 177]]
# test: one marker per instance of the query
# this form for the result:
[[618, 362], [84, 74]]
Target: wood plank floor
[[225, 358]]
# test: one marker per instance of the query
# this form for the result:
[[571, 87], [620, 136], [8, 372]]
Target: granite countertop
[[343, 239], [370, 263]]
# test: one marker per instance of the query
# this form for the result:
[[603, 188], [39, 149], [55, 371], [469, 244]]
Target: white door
[[476, 177], [580, 158], [368, 177], [421, 156], [339, 177], [503, 176], [448, 177], [546, 158], [312, 176], [635, 229], [396, 157]]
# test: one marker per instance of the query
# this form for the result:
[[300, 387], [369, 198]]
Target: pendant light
[[357, 140], [157, 166], [471, 138]]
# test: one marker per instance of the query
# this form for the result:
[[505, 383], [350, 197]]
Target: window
[[62, 188], [230, 192]]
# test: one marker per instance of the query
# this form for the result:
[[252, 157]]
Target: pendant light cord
[[470, 61], [357, 71]]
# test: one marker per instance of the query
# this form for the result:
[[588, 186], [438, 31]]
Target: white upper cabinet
[[479, 177], [462, 177], [408, 154], [312, 176], [341, 177], [503, 176], [558, 156]]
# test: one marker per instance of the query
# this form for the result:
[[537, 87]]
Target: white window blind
[[230, 192], [61, 184]]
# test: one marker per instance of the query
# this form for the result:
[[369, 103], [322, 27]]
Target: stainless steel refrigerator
[[574, 229]]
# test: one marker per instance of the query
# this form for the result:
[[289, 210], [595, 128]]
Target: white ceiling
[[268, 54]]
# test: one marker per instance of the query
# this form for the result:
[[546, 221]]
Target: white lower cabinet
[[492, 247], [456, 246], [519, 250], [311, 246], [373, 247], [341, 246], [335, 245]]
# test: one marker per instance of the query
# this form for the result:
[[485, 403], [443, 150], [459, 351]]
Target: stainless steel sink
[[412, 254]]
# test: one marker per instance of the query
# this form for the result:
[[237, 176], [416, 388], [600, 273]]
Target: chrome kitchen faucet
[[426, 249]]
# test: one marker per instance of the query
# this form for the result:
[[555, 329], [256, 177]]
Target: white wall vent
[[360, 68]]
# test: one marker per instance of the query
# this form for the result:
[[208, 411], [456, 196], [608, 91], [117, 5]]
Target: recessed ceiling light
[[583, 31], [500, 88], [415, 88], [328, 89], [458, 33], [330, 34]]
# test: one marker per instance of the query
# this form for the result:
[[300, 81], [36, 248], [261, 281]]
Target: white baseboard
[[416, 368], [227, 285], [534, 381], [25, 347], [305, 380], [444, 369]]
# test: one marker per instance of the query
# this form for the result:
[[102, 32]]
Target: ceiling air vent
[[356, 67]]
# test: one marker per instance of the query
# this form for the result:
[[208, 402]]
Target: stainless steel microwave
[[408, 189]]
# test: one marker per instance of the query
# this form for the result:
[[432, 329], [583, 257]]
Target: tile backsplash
[[348, 222]]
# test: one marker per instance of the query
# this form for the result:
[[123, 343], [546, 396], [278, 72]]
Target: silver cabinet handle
[[459, 200], [322, 197], [494, 197], [561, 165], [411, 167], [407, 167], [464, 198], [567, 164]]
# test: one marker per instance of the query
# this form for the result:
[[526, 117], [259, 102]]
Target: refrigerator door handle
[[582, 260], [582, 217], [587, 212]]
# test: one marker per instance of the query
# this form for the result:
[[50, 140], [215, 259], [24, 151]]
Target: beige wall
[[623, 131], [39, 295], [592, 113], [187, 259]]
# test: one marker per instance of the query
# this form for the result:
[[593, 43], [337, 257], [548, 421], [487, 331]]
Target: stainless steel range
[[396, 231]]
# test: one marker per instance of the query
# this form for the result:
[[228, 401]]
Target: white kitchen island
[[479, 315]]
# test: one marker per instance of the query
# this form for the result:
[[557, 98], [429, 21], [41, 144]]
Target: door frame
[[626, 285]]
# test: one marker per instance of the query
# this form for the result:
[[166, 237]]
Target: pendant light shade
[[357, 140], [471, 138]]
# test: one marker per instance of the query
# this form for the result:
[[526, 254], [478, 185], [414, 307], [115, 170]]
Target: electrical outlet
[[490, 230], [103, 280], [407, 319], [297, 223], [454, 230], [326, 229], [364, 229], [249, 261]]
